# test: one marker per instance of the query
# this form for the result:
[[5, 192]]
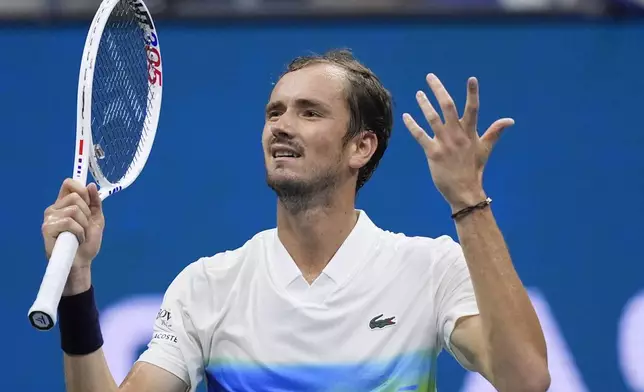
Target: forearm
[[83, 372], [516, 345], [90, 372]]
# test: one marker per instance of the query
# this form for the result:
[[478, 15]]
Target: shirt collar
[[342, 265]]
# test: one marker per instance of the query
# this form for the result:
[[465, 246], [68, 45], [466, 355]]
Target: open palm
[[456, 154]]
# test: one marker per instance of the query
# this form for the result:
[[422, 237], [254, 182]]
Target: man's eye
[[311, 113]]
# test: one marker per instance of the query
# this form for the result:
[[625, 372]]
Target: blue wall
[[567, 180]]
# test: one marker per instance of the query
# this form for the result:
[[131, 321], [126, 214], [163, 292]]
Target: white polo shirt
[[374, 320]]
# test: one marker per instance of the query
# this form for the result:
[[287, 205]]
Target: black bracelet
[[467, 210], [80, 330]]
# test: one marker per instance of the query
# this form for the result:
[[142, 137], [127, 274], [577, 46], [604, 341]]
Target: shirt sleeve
[[454, 290], [174, 345]]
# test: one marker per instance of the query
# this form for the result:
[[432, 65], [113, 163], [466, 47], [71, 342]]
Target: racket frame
[[43, 313]]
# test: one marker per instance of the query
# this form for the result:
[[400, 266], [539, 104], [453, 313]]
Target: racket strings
[[120, 94]]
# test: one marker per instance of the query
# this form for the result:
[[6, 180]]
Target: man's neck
[[313, 236]]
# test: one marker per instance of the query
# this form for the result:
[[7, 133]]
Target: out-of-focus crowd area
[[10, 9]]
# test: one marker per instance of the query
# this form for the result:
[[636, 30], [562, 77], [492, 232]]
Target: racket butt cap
[[41, 320]]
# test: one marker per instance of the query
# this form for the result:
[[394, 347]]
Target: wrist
[[467, 200], [78, 281], [80, 330]]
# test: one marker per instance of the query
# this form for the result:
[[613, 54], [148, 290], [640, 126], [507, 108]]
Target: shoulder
[[229, 261], [427, 249], [432, 261], [428, 259], [217, 273], [419, 253]]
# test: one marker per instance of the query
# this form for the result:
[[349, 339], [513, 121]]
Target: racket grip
[[43, 312]]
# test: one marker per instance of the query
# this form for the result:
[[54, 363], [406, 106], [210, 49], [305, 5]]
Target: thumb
[[493, 133], [95, 203]]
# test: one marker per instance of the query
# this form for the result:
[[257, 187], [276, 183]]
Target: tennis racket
[[119, 102]]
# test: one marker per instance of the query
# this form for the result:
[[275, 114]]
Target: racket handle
[[43, 312]]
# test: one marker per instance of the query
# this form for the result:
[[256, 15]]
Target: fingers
[[71, 211], [432, 116], [77, 214], [470, 115], [425, 141], [453, 130], [72, 199], [69, 219], [95, 202], [71, 186], [447, 105], [493, 133]]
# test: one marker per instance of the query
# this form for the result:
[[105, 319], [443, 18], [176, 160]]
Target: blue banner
[[567, 180]]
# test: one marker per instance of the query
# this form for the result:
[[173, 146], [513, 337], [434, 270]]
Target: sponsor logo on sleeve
[[164, 319], [165, 337]]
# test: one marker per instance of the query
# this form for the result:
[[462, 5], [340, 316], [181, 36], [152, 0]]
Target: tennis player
[[327, 301]]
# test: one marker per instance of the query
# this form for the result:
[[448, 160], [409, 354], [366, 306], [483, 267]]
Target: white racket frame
[[43, 312]]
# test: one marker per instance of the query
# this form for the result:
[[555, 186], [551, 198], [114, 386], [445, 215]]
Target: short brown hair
[[370, 104]]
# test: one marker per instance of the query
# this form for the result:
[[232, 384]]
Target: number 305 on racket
[[119, 102]]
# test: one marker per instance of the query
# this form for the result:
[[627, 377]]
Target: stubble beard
[[300, 195]]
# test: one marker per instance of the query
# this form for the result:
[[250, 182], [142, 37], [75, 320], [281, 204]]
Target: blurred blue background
[[567, 180]]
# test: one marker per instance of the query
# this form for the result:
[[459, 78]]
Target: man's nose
[[282, 129]]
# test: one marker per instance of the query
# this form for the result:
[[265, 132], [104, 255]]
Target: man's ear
[[363, 146]]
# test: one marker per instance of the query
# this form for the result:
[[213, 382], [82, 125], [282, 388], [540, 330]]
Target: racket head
[[119, 95]]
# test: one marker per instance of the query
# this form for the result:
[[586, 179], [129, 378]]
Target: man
[[327, 300]]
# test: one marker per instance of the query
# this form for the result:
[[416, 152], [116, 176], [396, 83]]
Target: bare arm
[[505, 343], [90, 373], [78, 210]]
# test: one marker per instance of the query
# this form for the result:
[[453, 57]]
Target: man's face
[[306, 119]]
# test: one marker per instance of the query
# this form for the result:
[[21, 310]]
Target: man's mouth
[[279, 151]]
